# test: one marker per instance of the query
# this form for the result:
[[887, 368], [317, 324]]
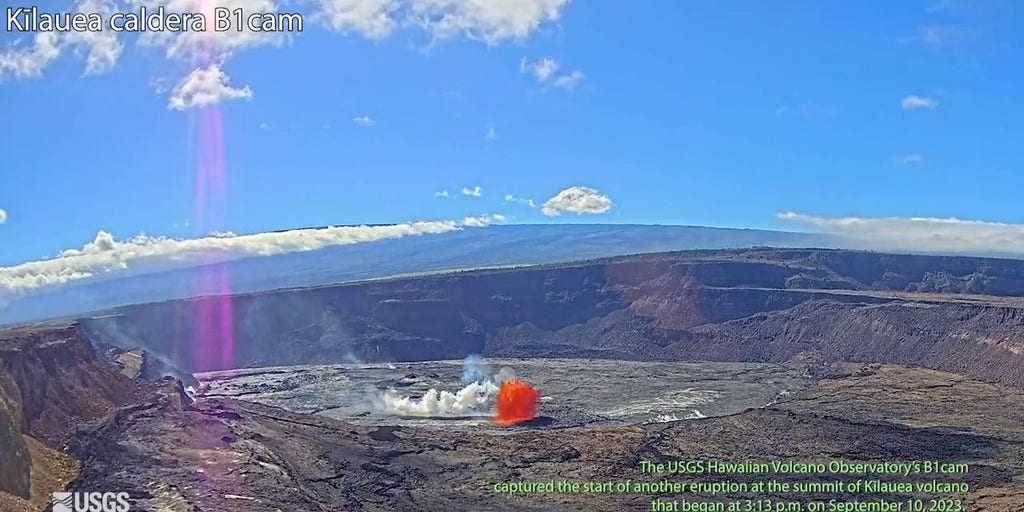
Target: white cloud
[[578, 200], [205, 87], [491, 21], [491, 134], [920, 234], [264, 126], [911, 159], [476, 222], [364, 121], [3, 216], [472, 192], [21, 62], [209, 45], [570, 81], [513, 199], [443, 193], [542, 69], [915, 102], [105, 255], [483, 220], [101, 50], [369, 18], [545, 71]]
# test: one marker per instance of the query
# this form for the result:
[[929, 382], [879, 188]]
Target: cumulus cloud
[[542, 69], [364, 121], [913, 102], [483, 220], [570, 81], [472, 192], [101, 50], [920, 234], [513, 199], [107, 256], [545, 70], [491, 21], [491, 134], [204, 88], [443, 193], [3, 216], [488, 21], [29, 62], [209, 45], [372, 19], [578, 200]]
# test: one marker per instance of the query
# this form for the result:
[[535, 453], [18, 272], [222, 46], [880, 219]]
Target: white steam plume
[[474, 369], [473, 400], [505, 374]]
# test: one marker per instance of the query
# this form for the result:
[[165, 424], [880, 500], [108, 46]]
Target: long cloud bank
[[107, 256], [920, 234]]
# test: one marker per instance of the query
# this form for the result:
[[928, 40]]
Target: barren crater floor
[[226, 453], [575, 392]]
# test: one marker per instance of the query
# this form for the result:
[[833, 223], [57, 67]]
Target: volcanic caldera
[[759, 354]]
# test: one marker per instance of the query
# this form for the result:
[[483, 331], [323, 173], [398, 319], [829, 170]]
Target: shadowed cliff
[[950, 313]]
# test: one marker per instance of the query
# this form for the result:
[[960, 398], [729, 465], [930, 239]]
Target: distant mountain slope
[[468, 248]]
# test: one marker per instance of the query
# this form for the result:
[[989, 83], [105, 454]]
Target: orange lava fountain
[[517, 402]]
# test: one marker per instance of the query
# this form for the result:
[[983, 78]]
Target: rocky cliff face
[[752, 305], [14, 459], [50, 383]]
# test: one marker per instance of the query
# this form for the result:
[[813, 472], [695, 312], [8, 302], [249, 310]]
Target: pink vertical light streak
[[214, 318]]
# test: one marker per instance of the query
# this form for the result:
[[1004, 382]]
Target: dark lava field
[[575, 392]]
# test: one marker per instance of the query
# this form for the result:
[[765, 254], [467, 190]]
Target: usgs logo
[[90, 502]]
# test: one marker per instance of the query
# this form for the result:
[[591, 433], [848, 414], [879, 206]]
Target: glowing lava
[[517, 402]]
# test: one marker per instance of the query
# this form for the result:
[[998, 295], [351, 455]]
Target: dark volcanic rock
[[59, 383], [278, 460], [15, 463], [50, 384]]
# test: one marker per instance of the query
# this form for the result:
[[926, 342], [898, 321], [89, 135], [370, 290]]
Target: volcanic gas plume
[[468, 401], [517, 402]]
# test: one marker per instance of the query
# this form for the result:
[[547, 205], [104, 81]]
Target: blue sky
[[712, 113]]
